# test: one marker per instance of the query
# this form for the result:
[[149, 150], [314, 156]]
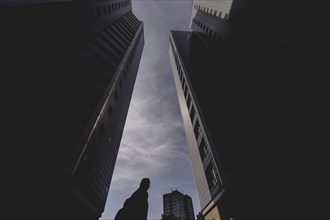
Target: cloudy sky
[[153, 143]]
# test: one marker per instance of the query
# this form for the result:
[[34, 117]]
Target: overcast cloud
[[153, 143]]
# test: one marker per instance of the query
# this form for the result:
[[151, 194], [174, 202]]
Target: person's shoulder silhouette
[[136, 207], [123, 213]]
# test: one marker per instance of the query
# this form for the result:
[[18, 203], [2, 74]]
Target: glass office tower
[[177, 206], [68, 70]]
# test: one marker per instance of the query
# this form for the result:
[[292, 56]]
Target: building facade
[[233, 74], [177, 206], [207, 168], [68, 70]]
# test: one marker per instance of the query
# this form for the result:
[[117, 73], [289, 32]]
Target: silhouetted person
[[136, 207]]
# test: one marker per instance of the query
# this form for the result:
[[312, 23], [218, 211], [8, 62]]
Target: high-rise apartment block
[[245, 77], [177, 206], [68, 70]]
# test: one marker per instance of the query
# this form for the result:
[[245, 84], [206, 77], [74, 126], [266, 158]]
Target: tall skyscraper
[[68, 70], [177, 206], [241, 77]]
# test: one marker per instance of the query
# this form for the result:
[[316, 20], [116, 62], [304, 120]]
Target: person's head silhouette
[[145, 183]]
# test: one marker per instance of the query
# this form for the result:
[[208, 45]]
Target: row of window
[[97, 58], [211, 173], [185, 89], [103, 158], [120, 82], [103, 153], [109, 8], [213, 34], [211, 11], [117, 88], [203, 148], [105, 50]]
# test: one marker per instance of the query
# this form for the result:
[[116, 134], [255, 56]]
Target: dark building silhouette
[[177, 206], [68, 69], [252, 80]]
